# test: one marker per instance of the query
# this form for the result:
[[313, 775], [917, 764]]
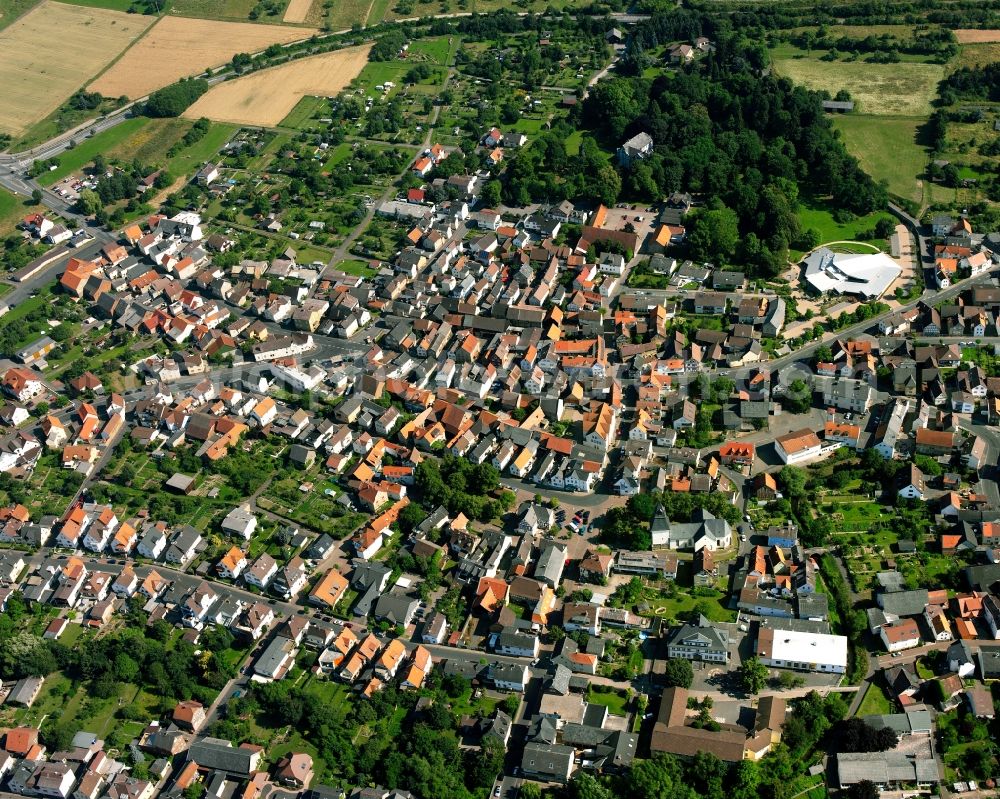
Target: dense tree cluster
[[460, 485], [387, 45], [407, 749], [856, 735], [742, 138], [936, 41], [972, 83], [132, 655], [173, 100]]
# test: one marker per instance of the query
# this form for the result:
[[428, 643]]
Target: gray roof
[[884, 767], [214, 753], [395, 608], [25, 691], [902, 723], [904, 603], [547, 760]]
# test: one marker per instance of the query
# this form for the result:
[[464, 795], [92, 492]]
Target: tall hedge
[[173, 100]]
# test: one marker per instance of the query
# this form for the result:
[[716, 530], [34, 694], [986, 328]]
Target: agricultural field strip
[[52, 51], [177, 47]]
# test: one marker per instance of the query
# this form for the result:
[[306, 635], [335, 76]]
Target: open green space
[[614, 701], [12, 211], [888, 150], [355, 267], [436, 50], [76, 159], [818, 215], [904, 89], [304, 111], [345, 13], [876, 702]]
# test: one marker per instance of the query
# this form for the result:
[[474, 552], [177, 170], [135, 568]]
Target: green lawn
[[662, 605], [887, 149], [303, 113], [191, 159], [354, 267], [819, 216], [614, 701], [876, 702], [437, 50], [80, 156], [12, 211]]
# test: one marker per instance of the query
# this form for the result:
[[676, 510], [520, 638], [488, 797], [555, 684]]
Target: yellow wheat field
[[266, 97], [297, 10], [52, 51], [177, 47]]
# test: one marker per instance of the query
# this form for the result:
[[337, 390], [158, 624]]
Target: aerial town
[[400, 403]]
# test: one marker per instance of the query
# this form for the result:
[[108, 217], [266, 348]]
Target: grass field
[[81, 155], [882, 89], [875, 703], [341, 15], [976, 55], [175, 48], [354, 267], [887, 149], [233, 10], [12, 210], [152, 140], [268, 96], [54, 44], [818, 216], [303, 112]]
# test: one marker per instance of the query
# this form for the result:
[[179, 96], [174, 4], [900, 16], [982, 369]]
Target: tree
[[753, 675], [715, 235], [485, 764], [584, 786], [606, 185], [678, 673], [511, 705], [797, 397], [36, 196], [490, 195], [866, 789], [530, 790]]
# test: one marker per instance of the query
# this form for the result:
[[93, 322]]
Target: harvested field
[[967, 36], [904, 89], [52, 51], [297, 11], [176, 47], [268, 96]]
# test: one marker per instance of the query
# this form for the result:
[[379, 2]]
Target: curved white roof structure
[[867, 275]]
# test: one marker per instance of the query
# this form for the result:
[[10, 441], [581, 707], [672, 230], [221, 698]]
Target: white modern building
[[866, 275], [791, 649]]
